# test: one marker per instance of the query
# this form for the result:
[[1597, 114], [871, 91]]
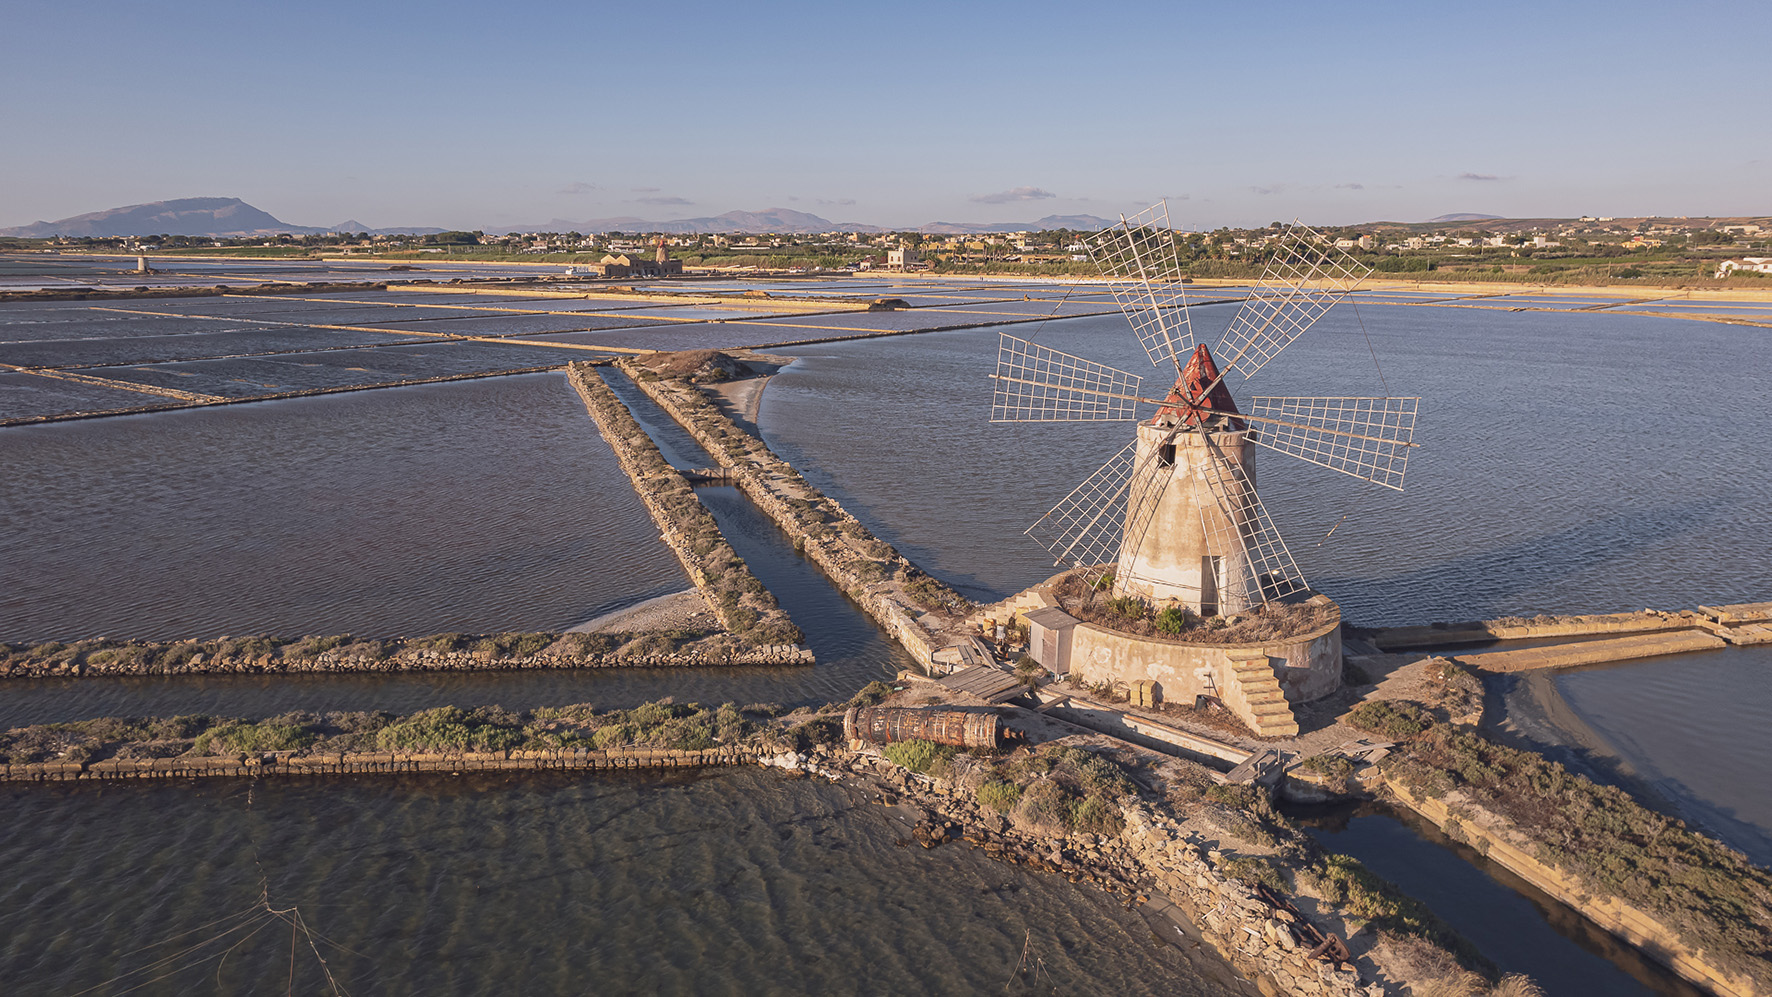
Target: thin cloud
[[1350, 186], [644, 190], [1264, 191], [1013, 195], [665, 200], [578, 187], [1478, 176], [841, 201]]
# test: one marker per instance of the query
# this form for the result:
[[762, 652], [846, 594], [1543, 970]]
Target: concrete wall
[[1307, 667]]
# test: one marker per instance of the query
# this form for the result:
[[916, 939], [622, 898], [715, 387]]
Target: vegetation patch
[[1710, 894], [920, 756], [1398, 720], [1091, 600], [443, 729]]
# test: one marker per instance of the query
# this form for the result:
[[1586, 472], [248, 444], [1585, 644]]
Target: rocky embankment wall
[[867, 569], [744, 605], [275, 764], [1485, 831], [24, 665], [1152, 850]]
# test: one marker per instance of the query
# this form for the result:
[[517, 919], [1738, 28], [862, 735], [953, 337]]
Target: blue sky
[[475, 114]]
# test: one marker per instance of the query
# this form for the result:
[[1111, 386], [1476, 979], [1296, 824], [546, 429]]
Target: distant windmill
[[1175, 515]]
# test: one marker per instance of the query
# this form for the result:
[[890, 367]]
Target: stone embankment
[[744, 605], [921, 612], [265, 656], [1623, 636], [111, 293], [1073, 807], [1684, 899], [1465, 821], [1153, 860], [274, 764]]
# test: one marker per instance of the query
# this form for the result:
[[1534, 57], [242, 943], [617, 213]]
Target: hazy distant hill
[[1085, 223], [789, 221], [782, 220], [203, 216], [1463, 216]]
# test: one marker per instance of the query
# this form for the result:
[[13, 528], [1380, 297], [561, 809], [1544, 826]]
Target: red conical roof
[[1185, 400]]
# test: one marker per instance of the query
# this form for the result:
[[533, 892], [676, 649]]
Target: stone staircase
[[1255, 696], [987, 617]]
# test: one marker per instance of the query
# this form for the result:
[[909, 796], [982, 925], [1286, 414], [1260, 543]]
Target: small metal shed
[[1049, 638]]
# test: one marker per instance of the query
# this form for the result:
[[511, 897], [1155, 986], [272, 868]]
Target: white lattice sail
[[1304, 278], [1368, 438], [1035, 383], [1267, 570], [1086, 526], [1140, 258]]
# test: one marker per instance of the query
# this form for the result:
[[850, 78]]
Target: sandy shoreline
[[742, 399], [686, 610]]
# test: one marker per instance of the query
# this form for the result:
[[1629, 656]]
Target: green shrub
[[920, 756], [238, 737], [1253, 870], [1129, 607], [1095, 815], [1173, 621], [1397, 720], [446, 728], [999, 796], [1335, 767]]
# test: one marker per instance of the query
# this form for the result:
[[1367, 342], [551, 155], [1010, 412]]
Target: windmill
[[1174, 517]]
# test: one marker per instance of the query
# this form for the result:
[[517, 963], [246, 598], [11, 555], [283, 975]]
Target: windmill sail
[[1304, 278], [1087, 528], [1035, 383], [1140, 258], [1266, 570], [1368, 438]]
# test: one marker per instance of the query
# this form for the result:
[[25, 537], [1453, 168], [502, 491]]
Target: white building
[[902, 258], [1752, 264]]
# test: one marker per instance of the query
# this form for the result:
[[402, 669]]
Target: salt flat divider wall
[[745, 606], [375, 763], [1511, 848], [862, 565]]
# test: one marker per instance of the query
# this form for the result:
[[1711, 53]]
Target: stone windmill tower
[[1174, 517]]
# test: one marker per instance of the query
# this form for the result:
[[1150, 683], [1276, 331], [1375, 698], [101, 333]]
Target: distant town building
[[900, 259], [1751, 264], [625, 265]]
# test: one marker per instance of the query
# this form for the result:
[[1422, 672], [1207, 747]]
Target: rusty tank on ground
[[940, 724]]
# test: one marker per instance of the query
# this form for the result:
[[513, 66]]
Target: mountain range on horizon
[[230, 217], [189, 216]]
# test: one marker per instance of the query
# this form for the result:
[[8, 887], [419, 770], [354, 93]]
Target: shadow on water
[[1519, 928]]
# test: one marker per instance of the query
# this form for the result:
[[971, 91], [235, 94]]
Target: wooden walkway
[[993, 685]]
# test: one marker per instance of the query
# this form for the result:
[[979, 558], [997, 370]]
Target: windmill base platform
[[1258, 682]]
